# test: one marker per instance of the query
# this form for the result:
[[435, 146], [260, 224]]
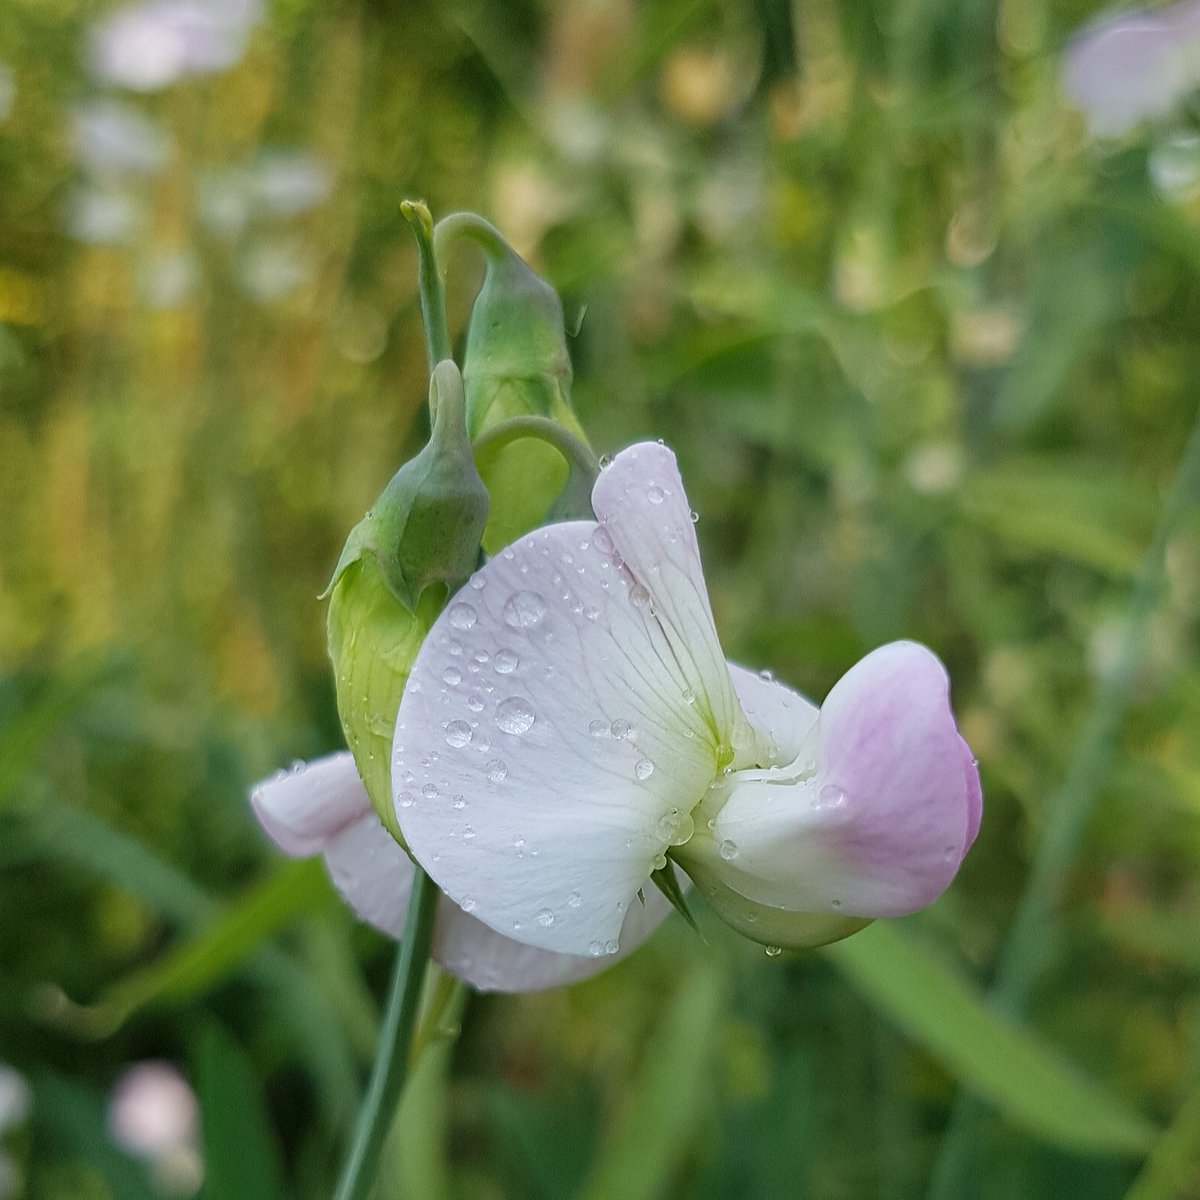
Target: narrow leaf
[[998, 1060]]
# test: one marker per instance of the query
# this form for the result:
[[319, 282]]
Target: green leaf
[[667, 882], [241, 1157], [667, 1101], [1027, 1079], [1172, 1172], [206, 958], [1094, 516]]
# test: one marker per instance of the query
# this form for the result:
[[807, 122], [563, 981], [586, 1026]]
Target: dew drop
[[769, 676], [506, 662], [574, 900], [469, 904], [602, 540], [774, 951], [830, 796], [475, 702], [405, 799], [620, 729], [611, 947], [545, 918], [468, 832], [460, 801], [595, 949], [458, 734], [461, 616], [497, 772], [515, 715], [639, 596], [836, 903], [591, 612], [481, 656], [694, 515], [524, 610], [659, 861], [429, 791], [655, 494], [729, 850], [643, 769], [452, 676], [689, 695], [519, 846], [605, 462], [478, 582], [598, 729]]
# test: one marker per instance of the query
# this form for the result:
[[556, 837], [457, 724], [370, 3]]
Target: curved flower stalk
[[1134, 66], [570, 722], [323, 808]]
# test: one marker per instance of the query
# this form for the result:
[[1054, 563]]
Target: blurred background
[[927, 346]]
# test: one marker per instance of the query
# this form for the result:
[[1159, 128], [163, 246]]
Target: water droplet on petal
[[574, 900], [524, 610], [506, 662], [595, 949], [830, 796], [519, 846], [497, 772], [475, 702], [452, 676], [598, 729], [729, 850], [769, 676], [655, 494], [689, 695], [620, 729], [605, 462], [694, 515], [461, 616], [602, 540], [545, 918], [515, 715], [611, 947], [468, 832], [405, 799], [643, 769], [836, 903], [478, 582], [481, 656], [458, 734], [469, 904], [774, 951], [659, 861], [429, 791], [460, 801], [639, 596]]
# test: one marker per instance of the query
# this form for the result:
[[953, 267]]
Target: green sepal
[[373, 641], [426, 526], [667, 882], [515, 364]]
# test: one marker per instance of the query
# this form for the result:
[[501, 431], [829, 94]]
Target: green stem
[[577, 453], [473, 226], [1032, 937], [392, 1054], [433, 298]]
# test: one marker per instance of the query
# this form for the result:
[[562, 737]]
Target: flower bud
[[515, 364], [417, 543]]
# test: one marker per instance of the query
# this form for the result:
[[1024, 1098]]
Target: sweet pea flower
[[322, 808], [570, 722]]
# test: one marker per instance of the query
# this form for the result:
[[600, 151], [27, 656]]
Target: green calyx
[[416, 545], [515, 365], [425, 528]]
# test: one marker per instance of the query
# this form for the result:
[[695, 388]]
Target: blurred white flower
[[1129, 67], [272, 270], [154, 1116], [102, 215], [288, 182], [151, 45], [167, 278], [223, 201], [14, 1108], [109, 136]]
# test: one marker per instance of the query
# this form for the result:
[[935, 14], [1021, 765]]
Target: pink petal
[[304, 808]]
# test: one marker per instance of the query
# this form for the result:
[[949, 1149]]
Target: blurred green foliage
[[929, 360]]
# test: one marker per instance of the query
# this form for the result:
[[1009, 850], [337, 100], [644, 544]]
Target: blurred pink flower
[[1129, 67], [152, 1112]]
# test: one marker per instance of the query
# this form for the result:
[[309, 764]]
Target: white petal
[[304, 808], [374, 875], [640, 503], [785, 718], [544, 739]]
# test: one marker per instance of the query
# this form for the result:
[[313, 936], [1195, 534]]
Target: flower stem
[[392, 1053], [433, 298], [1032, 939]]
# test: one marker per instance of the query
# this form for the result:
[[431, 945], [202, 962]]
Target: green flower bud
[[418, 542], [515, 364]]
